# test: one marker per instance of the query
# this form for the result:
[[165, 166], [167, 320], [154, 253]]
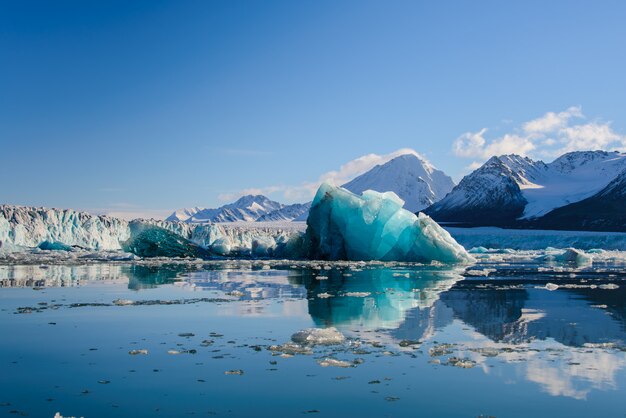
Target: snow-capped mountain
[[287, 213], [603, 211], [247, 208], [412, 178], [510, 189], [181, 215]]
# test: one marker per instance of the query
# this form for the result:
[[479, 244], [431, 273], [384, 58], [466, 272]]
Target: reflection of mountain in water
[[572, 317]]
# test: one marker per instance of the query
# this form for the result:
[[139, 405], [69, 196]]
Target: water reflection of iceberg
[[373, 298]]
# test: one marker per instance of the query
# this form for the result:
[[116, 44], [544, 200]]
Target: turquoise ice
[[373, 226]]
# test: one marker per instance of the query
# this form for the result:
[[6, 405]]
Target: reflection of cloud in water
[[560, 370], [577, 374]]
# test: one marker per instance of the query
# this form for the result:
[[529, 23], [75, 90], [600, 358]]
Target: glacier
[[29, 227], [24, 228], [344, 226], [371, 227], [45, 230]]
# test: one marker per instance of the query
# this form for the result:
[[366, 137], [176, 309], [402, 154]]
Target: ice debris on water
[[570, 256], [237, 372], [123, 302], [318, 336], [331, 362], [461, 362], [142, 351], [357, 294], [374, 226], [290, 349], [609, 286], [551, 286], [479, 272]]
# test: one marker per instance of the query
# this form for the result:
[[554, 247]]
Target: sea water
[[504, 338]]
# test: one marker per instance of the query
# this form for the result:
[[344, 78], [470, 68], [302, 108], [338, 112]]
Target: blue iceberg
[[344, 226], [153, 241], [54, 246]]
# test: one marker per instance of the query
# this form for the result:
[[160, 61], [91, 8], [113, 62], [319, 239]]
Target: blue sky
[[143, 107]]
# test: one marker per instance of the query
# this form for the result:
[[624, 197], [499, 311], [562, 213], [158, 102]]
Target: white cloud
[[306, 190], [550, 135], [552, 121]]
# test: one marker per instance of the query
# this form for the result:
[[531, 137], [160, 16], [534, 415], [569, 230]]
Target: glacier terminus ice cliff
[[341, 226]]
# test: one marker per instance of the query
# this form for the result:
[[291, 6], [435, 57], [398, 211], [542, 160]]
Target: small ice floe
[[176, 352], [551, 286], [332, 362], [237, 372], [290, 349], [357, 294], [321, 278], [486, 351], [570, 256], [401, 275], [440, 350], [236, 293], [479, 272], [461, 362], [318, 336], [123, 302], [142, 351], [324, 295], [609, 286], [410, 343]]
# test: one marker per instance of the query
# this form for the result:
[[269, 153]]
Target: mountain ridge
[[515, 191]]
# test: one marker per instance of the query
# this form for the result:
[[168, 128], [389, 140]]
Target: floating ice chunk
[[123, 302], [54, 246], [609, 286], [572, 255], [153, 241], [318, 336], [344, 226], [291, 349], [478, 272], [357, 294], [142, 351], [331, 362], [551, 286]]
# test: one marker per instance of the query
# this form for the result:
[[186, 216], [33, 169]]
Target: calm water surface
[[420, 341]]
